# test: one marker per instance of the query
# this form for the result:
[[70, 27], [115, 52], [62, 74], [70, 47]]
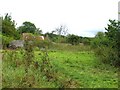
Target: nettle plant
[[45, 65], [29, 54]]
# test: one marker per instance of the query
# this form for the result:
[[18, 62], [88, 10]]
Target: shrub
[[73, 39], [43, 43], [5, 41]]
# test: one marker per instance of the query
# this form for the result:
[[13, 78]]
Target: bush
[[86, 40], [73, 39], [43, 43], [107, 55], [5, 41]]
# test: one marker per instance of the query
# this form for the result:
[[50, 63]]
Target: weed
[[46, 66], [29, 55]]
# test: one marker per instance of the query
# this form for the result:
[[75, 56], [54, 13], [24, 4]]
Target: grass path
[[85, 68]]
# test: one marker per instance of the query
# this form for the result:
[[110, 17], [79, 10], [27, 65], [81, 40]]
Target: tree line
[[11, 32]]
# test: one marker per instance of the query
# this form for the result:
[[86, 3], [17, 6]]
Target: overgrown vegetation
[[107, 45], [61, 60], [57, 69]]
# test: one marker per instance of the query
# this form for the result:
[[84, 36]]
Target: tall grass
[[60, 66], [69, 47]]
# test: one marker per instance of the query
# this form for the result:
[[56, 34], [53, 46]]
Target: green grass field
[[84, 68], [72, 67]]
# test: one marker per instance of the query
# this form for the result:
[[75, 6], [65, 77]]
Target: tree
[[27, 27], [100, 40], [8, 27], [61, 33], [86, 40], [107, 45], [38, 31], [113, 34], [73, 39], [62, 30], [52, 37], [100, 35]]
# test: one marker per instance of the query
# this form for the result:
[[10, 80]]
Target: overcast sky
[[82, 17]]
